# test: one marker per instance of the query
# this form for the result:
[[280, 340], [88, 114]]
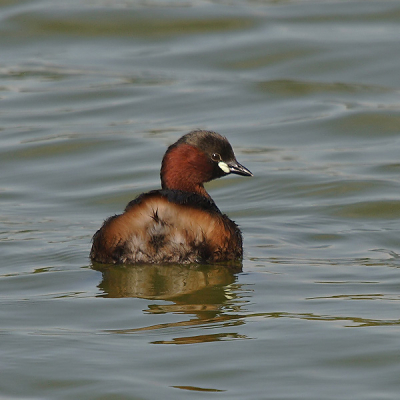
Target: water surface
[[92, 93]]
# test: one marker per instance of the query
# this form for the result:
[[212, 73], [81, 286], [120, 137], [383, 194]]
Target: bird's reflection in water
[[164, 282], [206, 292], [193, 289]]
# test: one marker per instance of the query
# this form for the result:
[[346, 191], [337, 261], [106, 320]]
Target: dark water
[[308, 93]]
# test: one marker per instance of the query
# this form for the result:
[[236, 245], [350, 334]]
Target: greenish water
[[308, 93]]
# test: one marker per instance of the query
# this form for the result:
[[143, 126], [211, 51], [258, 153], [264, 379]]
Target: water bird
[[179, 223]]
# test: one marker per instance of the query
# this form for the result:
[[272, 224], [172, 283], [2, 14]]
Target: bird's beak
[[239, 169]]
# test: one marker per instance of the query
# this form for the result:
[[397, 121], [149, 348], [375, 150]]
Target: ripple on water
[[131, 23], [286, 87], [378, 209]]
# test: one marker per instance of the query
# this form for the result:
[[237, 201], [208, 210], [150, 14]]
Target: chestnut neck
[[185, 167]]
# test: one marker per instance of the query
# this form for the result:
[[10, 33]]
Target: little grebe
[[179, 223]]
